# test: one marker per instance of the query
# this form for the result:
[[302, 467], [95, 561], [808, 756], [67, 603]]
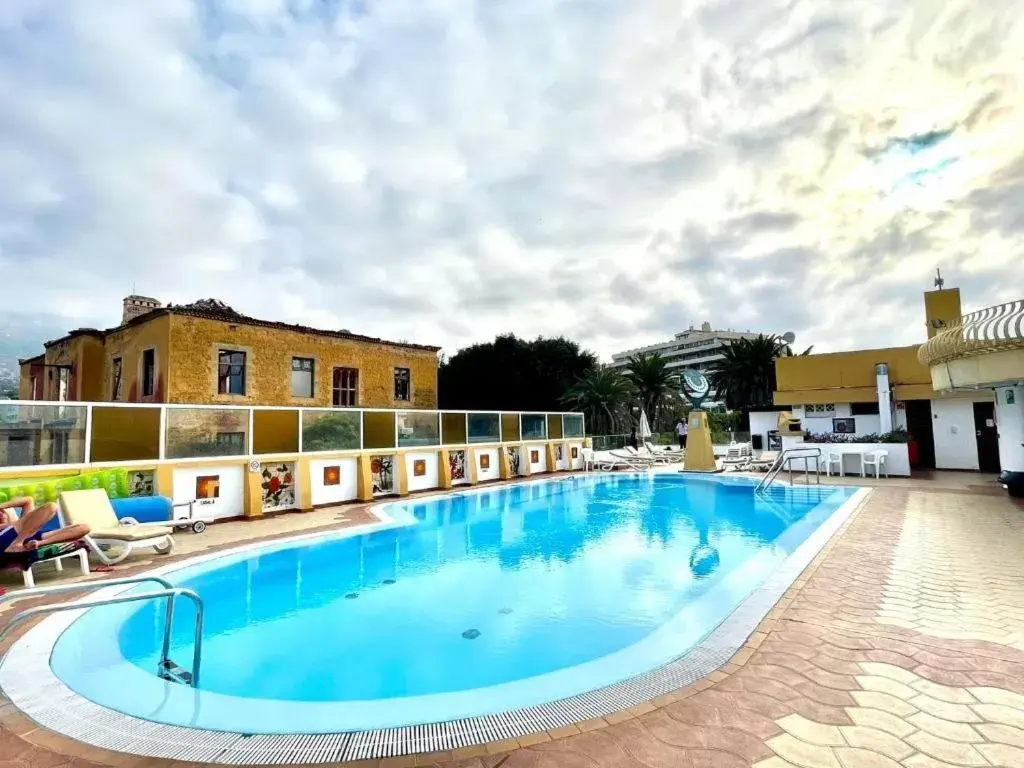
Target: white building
[[699, 348]]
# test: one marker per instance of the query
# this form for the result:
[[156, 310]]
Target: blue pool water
[[465, 605]]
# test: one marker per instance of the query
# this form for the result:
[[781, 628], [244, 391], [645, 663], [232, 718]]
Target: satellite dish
[[789, 337]]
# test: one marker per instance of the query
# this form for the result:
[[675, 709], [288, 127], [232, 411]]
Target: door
[[987, 436], [919, 427]]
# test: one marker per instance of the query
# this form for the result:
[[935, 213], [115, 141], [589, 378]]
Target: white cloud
[[444, 170]]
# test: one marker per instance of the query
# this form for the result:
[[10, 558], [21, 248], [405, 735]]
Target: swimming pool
[[466, 605]]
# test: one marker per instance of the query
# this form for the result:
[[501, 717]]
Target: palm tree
[[655, 384], [745, 376], [601, 394]]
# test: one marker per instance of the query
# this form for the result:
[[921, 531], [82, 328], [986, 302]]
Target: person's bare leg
[[31, 520], [70, 533]]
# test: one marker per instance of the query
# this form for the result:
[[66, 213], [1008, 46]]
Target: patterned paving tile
[[901, 647]]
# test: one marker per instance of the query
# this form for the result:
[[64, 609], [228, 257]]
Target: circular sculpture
[[695, 386]]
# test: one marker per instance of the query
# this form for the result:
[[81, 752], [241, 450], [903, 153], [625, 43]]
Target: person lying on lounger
[[21, 533]]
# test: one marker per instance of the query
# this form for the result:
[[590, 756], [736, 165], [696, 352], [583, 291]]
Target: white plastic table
[[844, 451]]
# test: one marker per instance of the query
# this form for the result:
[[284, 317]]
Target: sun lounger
[[609, 460], [48, 553], [738, 456], [765, 461], [106, 533]]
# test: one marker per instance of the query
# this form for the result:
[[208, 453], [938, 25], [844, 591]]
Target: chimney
[[135, 306]]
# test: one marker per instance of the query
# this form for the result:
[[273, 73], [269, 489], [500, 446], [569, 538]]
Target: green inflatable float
[[43, 490]]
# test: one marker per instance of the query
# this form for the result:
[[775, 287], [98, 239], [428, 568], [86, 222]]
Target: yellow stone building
[[207, 353]]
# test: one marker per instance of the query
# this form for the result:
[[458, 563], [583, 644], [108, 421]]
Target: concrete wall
[[230, 501], [427, 462], [897, 459], [493, 469], [322, 480], [195, 343], [536, 451], [1010, 420]]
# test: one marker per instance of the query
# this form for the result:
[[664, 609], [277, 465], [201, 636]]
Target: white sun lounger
[[92, 507]]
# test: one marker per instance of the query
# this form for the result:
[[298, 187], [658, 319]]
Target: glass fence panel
[[37, 435], [330, 430], [275, 431], [484, 428], [534, 426], [453, 428], [378, 429], [418, 428], [572, 425], [200, 432], [124, 434], [509, 427]]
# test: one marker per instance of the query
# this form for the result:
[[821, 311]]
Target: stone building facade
[[207, 353]]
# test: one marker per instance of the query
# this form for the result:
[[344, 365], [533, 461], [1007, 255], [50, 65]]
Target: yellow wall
[[813, 377], [129, 343], [84, 354], [26, 371], [195, 343], [941, 309]]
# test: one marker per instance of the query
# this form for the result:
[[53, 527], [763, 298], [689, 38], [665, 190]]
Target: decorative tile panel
[[382, 469], [140, 483], [278, 484], [513, 453], [457, 465]]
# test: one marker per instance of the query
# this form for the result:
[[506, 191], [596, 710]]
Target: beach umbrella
[[645, 427]]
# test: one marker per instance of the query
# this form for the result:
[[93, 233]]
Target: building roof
[[94, 332], [214, 309], [29, 360]]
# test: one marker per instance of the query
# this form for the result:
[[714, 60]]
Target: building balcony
[[981, 349]]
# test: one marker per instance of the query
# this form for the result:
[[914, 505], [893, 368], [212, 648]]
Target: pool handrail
[[168, 591], [804, 452]]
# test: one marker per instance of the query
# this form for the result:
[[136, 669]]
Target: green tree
[[602, 394], [656, 387], [745, 377], [333, 431], [512, 374]]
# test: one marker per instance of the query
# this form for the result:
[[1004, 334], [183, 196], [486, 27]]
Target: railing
[[166, 668], [44, 434], [989, 330], [785, 461]]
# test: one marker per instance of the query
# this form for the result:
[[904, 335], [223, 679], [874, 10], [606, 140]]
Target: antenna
[[789, 337], [939, 282]]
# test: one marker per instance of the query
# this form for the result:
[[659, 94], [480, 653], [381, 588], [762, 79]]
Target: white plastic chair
[[876, 459], [833, 457], [588, 459]]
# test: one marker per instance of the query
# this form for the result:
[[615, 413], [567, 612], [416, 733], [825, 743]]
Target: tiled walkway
[[901, 647]]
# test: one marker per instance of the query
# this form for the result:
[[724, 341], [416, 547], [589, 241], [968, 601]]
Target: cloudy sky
[[444, 170]]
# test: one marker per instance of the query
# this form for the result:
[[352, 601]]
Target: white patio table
[[858, 452]]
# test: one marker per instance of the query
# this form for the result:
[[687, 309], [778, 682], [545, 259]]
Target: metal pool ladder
[[784, 462], [166, 668]]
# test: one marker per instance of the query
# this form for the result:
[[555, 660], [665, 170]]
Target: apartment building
[[699, 348]]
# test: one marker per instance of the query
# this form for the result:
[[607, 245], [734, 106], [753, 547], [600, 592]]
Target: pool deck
[[902, 645]]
